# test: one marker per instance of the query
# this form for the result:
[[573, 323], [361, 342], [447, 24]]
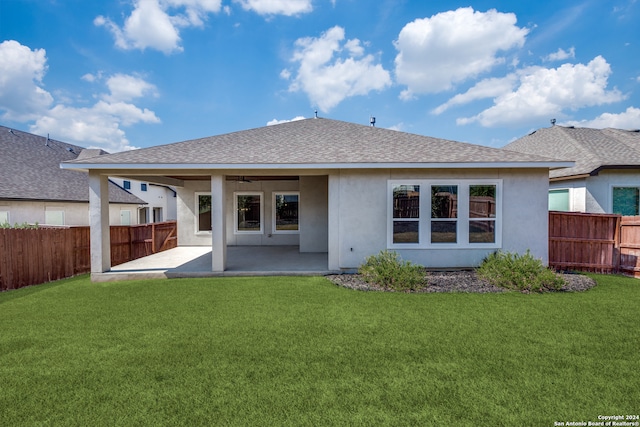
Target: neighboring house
[[33, 188], [606, 174], [344, 189], [161, 200]]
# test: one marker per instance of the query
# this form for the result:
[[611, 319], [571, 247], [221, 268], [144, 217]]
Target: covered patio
[[196, 261]]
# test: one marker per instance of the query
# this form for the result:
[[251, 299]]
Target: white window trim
[[462, 220], [235, 211], [274, 230], [196, 216]]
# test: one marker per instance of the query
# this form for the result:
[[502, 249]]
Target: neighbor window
[[445, 213], [126, 185], [54, 217], [559, 200], [626, 200], [4, 217], [248, 212], [143, 187], [285, 212], [203, 207], [125, 217]]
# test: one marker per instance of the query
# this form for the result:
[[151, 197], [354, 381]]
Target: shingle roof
[[314, 141], [30, 170], [591, 149]]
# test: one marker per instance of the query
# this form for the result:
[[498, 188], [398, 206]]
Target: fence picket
[[34, 256]]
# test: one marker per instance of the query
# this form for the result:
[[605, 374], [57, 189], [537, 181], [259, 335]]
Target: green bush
[[16, 225], [521, 272], [387, 270]]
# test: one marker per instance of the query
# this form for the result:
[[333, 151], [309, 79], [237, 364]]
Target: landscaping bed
[[457, 281]]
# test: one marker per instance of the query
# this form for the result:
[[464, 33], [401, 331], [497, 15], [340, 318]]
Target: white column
[[218, 224], [99, 222], [334, 221]]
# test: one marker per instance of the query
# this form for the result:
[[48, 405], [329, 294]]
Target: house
[[160, 199], [33, 188], [606, 174], [340, 188]]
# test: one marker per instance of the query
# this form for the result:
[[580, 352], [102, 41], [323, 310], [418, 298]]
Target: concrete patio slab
[[196, 261]]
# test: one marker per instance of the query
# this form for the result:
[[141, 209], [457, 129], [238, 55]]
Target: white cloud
[[277, 7], [561, 55], [326, 77], [151, 26], [543, 93], [123, 87], [277, 122], [22, 96], [97, 127], [450, 47], [629, 119], [488, 88], [23, 99]]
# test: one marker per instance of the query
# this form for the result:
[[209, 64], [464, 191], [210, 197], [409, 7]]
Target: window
[[406, 214], [248, 212], [157, 214], [444, 213], [4, 217], [125, 217], [54, 217], [441, 214], [559, 200], [126, 185], [203, 207], [482, 213], [143, 187], [143, 215], [285, 212], [626, 200]]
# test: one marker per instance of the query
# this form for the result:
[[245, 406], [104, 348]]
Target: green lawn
[[301, 351]]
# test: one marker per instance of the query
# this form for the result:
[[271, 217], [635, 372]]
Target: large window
[[440, 214], [4, 217], [203, 207], [626, 200], [248, 212], [54, 217], [559, 200], [285, 212]]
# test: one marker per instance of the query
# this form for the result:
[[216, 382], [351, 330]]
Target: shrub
[[387, 270], [16, 225], [521, 272]]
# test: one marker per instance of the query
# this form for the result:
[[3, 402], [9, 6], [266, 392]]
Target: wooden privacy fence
[[603, 243], [33, 256]]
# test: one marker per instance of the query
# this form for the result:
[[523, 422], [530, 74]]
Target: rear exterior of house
[[347, 190], [606, 174]]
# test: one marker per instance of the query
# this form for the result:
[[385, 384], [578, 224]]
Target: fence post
[[616, 245]]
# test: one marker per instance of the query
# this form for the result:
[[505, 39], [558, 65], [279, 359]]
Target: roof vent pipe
[[372, 121], [553, 122]]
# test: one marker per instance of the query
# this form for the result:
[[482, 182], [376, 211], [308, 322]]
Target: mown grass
[[301, 351]]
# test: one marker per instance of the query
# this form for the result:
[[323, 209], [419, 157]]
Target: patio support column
[[218, 224], [334, 221], [99, 222]]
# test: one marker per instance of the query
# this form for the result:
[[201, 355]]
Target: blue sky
[[118, 74]]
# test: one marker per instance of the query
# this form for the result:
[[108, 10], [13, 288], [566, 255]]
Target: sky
[[126, 74]]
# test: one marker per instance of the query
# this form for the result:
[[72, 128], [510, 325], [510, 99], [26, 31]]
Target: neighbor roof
[[591, 149], [30, 170], [313, 143]]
